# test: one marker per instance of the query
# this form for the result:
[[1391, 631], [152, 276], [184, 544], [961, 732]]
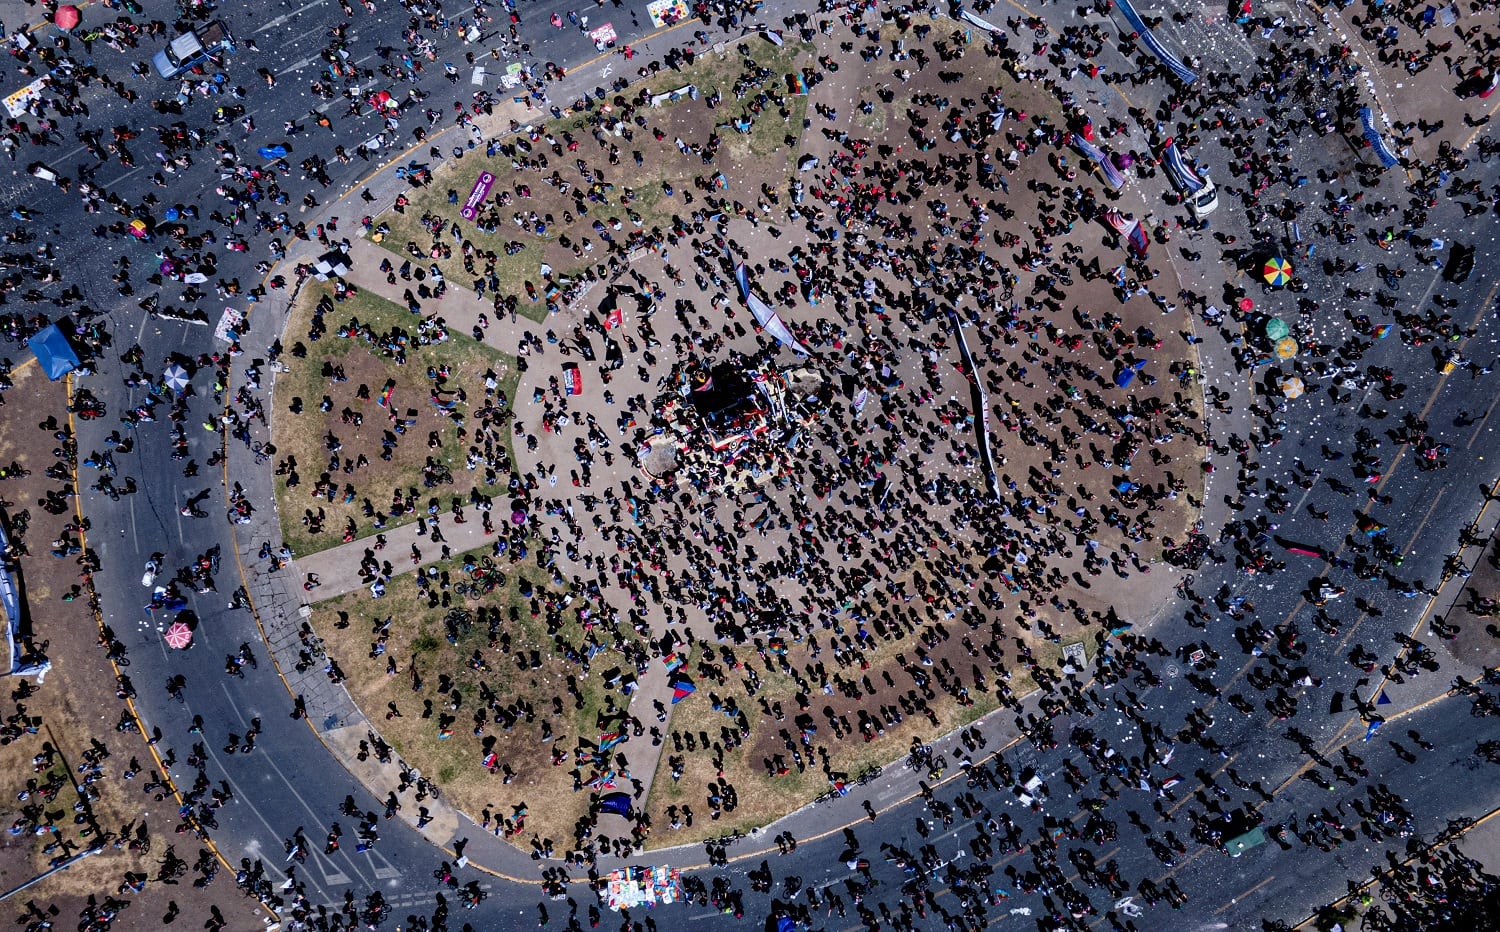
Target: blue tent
[[54, 352], [618, 803]]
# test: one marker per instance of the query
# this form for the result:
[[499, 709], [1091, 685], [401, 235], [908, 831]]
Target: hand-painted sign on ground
[[17, 103], [667, 12], [604, 37]]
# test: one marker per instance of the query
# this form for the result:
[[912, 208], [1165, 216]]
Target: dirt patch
[[867, 721], [626, 190]]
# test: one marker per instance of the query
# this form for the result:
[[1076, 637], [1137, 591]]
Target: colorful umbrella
[[1293, 387], [1277, 272], [1286, 348], [178, 636], [176, 377]]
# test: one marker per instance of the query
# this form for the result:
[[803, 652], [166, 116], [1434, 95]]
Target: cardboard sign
[[229, 326]]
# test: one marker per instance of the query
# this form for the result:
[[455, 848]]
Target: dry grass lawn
[[766, 154], [305, 436], [763, 798], [418, 635]]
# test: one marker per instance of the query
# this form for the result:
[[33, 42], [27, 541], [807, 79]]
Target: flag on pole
[[681, 689], [1374, 727], [1382, 699], [385, 394]]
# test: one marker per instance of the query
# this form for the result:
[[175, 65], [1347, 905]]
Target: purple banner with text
[[482, 185]]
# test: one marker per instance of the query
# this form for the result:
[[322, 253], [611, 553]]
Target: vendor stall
[[636, 887]]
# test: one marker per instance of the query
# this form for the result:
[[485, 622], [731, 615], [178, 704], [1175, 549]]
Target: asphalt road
[[289, 781]]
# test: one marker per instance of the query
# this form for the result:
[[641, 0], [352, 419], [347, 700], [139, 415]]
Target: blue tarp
[[1125, 376], [54, 352], [1377, 141], [1184, 74], [618, 803]]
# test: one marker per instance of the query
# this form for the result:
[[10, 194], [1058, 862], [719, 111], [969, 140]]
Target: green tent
[[1240, 844]]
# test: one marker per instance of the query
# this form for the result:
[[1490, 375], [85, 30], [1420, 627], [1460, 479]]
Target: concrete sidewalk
[[459, 306], [337, 568]]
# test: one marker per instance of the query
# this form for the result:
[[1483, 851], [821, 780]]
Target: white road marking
[[286, 16]]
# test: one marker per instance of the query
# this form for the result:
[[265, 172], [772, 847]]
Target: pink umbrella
[[518, 517], [67, 17], [178, 636]]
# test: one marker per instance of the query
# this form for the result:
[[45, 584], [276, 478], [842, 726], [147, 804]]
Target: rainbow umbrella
[[1277, 272]]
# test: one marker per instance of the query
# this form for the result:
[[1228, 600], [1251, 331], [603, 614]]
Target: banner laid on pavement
[[1373, 136], [1184, 74]]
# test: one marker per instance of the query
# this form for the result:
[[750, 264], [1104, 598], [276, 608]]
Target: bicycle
[[457, 623]]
